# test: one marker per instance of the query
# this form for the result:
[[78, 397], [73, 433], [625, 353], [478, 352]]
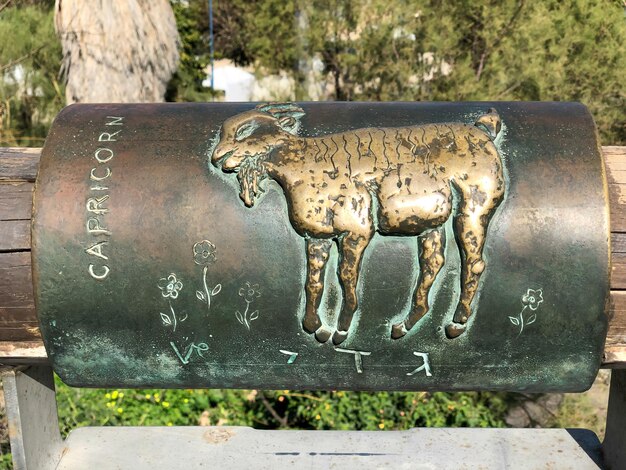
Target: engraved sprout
[[205, 254], [531, 300], [249, 292], [170, 287]]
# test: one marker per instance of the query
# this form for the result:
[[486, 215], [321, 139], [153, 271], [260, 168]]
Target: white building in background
[[236, 82], [240, 84]]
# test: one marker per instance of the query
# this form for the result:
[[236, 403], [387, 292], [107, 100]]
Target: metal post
[[614, 445], [36, 442]]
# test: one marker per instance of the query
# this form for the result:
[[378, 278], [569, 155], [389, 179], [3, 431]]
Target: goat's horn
[[277, 109]]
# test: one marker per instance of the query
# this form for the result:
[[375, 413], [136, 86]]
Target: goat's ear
[[287, 122]]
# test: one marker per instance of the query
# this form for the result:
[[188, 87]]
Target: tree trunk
[[117, 51]]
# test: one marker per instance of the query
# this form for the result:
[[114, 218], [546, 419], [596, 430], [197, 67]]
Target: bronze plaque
[[400, 246]]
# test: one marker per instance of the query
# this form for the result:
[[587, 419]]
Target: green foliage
[[264, 32], [284, 409], [30, 91], [573, 50], [244, 32], [5, 447], [273, 37], [186, 84], [6, 461]]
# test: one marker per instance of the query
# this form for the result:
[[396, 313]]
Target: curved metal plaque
[[417, 246]]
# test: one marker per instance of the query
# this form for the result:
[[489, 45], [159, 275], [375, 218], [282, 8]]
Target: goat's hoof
[[398, 331], [311, 326], [454, 330], [322, 334], [339, 337]]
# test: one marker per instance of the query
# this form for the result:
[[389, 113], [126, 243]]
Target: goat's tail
[[490, 122]]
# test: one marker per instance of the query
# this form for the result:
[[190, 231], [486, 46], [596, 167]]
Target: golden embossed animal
[[344, 187]]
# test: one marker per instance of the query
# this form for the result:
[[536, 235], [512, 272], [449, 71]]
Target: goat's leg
[[470, 231], [351, 251], [431, 260], [317, 256]]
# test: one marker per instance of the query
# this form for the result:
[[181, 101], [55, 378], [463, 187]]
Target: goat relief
[[345, 187]]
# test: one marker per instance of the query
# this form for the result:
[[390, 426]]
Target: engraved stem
[[174, 321], [521, 319], [206, 288], [245, 314]]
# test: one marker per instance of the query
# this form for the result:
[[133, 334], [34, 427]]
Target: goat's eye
[[245, 131]]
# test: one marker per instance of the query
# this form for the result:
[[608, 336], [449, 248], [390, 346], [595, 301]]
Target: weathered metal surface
[[469, 241]]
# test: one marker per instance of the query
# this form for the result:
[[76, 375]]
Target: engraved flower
[[170, 286], [532, 298], [204, 253], [250, 292]]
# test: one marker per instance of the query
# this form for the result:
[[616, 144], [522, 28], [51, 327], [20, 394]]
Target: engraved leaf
[[514, 320], [216, 290], [254, 315], [239, 317], [532, 319], [165, 318], [200, 295]]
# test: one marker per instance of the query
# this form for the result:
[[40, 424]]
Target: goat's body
[[408, 171]]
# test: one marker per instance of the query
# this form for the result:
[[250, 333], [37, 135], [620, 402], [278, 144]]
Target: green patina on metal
[[400, 246]]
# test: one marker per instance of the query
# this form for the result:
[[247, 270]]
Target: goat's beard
[[251, 173]]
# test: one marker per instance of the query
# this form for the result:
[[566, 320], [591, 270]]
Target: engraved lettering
[[199, 348], [93, 226], [105, 158], [94, 204], [93, 176], [96, 250], [95, 221], [424, 367], [108, 136], [358, 361], [116, 121], [292, 355], [99, 277]]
